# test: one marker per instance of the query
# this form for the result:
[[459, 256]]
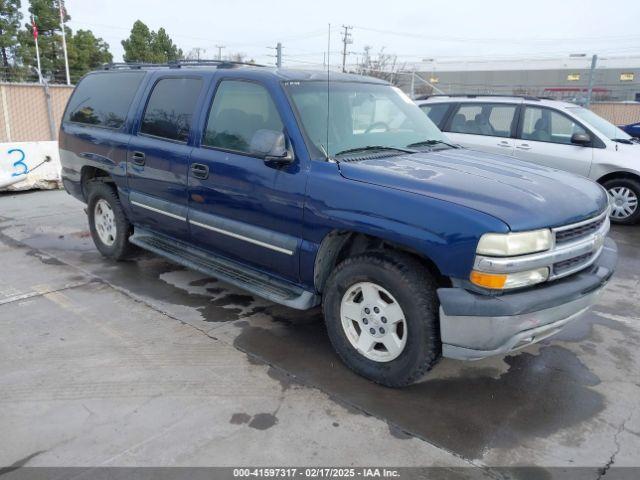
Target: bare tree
[[383, 65]]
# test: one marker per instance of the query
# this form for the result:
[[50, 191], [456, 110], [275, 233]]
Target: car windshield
[[361, 116], [603, 126]]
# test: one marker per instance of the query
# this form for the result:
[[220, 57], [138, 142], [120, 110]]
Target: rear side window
[[103, 99], [484, 119], [240, 113], [436, 112], [171, 107]]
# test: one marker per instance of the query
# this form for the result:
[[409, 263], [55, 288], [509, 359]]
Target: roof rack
[[475, 95], [178, 64]]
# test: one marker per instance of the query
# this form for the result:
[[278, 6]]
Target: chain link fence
[[31, 112]]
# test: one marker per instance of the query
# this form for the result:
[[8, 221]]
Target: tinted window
[[545, 125], [436, 111], [170, 108], [239, 112], [484, 119], [103, 99]]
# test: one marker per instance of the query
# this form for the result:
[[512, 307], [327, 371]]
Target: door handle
[[138, 158], [524, 146], [199, 170], [504, 143]]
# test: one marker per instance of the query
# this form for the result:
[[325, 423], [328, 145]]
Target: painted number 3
[[21, 168]]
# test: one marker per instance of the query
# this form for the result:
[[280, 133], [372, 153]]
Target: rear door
[[241, 206], [545, 138], [158, 154], [488, 127]]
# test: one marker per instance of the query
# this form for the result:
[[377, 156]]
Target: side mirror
[[581, 139], [272, 146]]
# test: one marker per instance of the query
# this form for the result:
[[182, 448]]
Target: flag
[[34, 27]]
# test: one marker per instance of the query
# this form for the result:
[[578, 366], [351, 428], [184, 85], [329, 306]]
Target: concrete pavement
[[146, 363]]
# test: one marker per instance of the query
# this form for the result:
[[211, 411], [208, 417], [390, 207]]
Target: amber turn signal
[[488, 280]]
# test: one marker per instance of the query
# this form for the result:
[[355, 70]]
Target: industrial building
[[616, 79]]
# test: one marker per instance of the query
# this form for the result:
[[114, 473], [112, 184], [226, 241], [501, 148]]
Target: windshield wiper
[[626, 141], [373, 147], [430, 143]]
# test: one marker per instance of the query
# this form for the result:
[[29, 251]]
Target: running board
[[228, 271]]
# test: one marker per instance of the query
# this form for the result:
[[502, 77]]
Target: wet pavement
[[570, 400]]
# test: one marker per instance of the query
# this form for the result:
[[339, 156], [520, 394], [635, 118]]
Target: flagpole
[[64, 43], [35, 37]]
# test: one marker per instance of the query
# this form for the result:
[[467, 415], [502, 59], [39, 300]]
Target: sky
[[414, 30]]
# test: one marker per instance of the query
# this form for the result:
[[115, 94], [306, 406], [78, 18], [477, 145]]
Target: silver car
[[556, 134]]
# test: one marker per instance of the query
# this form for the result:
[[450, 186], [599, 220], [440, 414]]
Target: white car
[[556, 134]]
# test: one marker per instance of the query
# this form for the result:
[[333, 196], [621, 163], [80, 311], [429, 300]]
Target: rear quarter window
[[436, 111], [103, 99]]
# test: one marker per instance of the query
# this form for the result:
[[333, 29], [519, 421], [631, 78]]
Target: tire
[[411, 286], [116, 244], [624, 190]]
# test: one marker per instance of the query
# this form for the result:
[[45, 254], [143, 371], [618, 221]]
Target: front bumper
[[475, 326]]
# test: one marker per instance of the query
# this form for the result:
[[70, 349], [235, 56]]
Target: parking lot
[[146, 363]]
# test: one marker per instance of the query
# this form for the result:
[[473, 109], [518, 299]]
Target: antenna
[[328, 103]]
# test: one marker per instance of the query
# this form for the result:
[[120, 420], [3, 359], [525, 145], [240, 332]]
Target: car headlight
[[512, 244]]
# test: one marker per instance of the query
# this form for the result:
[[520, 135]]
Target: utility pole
[[594, 61], [220, 47], [279, 55], [346, 40], [64, 41]]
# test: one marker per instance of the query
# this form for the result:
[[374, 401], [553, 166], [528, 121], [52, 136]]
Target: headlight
[[511, 244], [504, 281]]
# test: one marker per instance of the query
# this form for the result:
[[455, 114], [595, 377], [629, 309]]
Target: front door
[[545, 139], [158, 156], [239, 205]]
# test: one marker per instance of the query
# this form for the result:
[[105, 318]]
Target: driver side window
[[546, 125], [241, 117]]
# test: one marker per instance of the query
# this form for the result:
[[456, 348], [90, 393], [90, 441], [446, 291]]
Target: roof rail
[[177, 64], [475, 95]]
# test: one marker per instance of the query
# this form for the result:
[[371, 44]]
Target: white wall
[[19, 168]]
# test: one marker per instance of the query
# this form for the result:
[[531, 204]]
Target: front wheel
[[624, 194], [381, 314]]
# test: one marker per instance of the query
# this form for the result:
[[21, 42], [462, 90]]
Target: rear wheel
[[624, 194], [382, 318], [109, 226]]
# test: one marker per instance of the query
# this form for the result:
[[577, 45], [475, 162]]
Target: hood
[[523, 195]]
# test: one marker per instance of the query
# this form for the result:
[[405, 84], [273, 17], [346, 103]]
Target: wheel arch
[[89, 173], [618, 174], [338, 245]]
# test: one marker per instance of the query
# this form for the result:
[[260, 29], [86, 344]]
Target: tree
[[384, 65], [147, 46], [164, 48], [10, 17], [47, 18], [86, 52]]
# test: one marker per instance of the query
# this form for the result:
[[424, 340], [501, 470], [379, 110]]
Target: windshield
[[603, 126], [361, 115]]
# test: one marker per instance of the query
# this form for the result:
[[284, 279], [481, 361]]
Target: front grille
[[566, 265], [578, 232]]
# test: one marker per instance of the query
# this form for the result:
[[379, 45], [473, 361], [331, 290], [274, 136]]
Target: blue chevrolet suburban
[[308, 189]]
